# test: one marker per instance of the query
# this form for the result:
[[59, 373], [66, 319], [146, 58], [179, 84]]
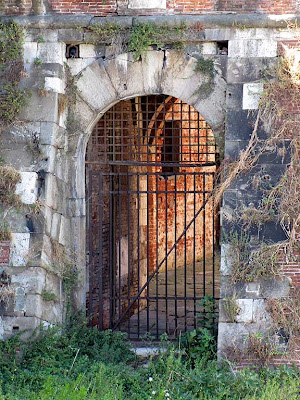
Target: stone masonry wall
[[123, 7], [55, 176]]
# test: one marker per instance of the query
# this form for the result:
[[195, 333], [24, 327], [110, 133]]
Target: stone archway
[[104, 83]]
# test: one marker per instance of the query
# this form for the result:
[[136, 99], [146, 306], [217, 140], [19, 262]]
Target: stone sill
[[209, 20]]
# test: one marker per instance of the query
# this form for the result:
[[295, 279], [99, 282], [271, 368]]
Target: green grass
[[83, 364]]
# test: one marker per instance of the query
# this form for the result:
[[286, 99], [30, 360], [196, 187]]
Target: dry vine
[[279, 112]]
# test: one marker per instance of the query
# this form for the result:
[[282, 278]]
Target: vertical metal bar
[[166, 253], [194, 251], [185, 275], [129, 249], [204, 253], [120, 242], [198, 135], [213, 251], [91, 250], [175, 255], [190, 137], [100, 275], [213, 247], [138, 252], [111, 249], [147, 252], [156, 234]]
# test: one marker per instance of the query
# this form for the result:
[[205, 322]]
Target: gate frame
[[97, 177], [102, 84]]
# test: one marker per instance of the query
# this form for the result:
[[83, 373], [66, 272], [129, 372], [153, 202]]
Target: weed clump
[[81, 363], [9, 178], [248, 262], [11, 72]]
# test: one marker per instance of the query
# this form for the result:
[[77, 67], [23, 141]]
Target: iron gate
[[151, 225]]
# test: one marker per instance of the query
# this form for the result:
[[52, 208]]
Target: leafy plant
[[231, 308], [208, 316], [5, 233], [37, 61], [206, 66], [48, 296], [199, 343]]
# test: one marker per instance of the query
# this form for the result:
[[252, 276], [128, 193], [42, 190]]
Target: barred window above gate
[[158, 130]]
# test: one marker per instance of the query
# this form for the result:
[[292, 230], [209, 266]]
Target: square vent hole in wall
[[72, 51], [222, 47]]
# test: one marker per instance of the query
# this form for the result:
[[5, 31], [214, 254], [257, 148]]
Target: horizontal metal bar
[[152, 164], [161, 298]]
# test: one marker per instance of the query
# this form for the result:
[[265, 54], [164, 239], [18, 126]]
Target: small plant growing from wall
[[9, 177], [139, 37], [11, 69], [231, 308], [5, 233], [249, 261], [48, 296]]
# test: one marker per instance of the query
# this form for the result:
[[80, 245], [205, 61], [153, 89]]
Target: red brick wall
[[108, 7], [4, 253]]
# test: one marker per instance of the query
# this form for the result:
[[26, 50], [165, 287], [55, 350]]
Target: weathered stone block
[[251, 95], [233, 149], [55, 226], [239, 125], [20, 299], [49, 311], [48, 133], [54, 285], [32, 279], [54, 84], [123, 72], [219, 34], [70, 36], [269, 287], [225, 259], [248, 69], [27, 188], [30, 54], [234, 96], [89, 51], [245, 314], [96, 87], [147, 4], [79, 64], [51, 52], [12, 325], [64, 232], [41, 108], [252, 48], [209, 48], [19, 249]]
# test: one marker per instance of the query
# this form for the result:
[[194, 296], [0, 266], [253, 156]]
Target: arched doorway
[[151, 231]]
